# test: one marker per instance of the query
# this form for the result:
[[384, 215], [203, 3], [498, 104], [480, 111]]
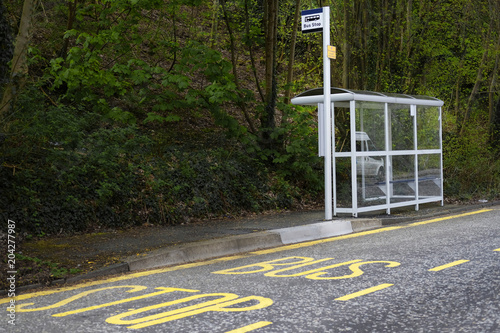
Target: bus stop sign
[[312, 20]]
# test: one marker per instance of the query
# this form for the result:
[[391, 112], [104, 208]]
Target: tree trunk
[[346, 47], [252, 57], [241, 104], [19, 60], [72, 6], [491, 93], [479, 78], [268, 117], [215, 22], [291, 61]]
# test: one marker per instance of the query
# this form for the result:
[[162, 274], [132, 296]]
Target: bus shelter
[[386, 148]]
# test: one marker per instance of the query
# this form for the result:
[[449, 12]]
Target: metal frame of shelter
[[407, 167]]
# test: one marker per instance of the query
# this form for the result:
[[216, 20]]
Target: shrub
[[67, 170], [471, 170]]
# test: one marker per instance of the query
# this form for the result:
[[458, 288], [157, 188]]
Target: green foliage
[[296, 160], [134, 114], [208, 183], [471, 169], [101, 71], [63, 172], [67, 170], [6, 46]]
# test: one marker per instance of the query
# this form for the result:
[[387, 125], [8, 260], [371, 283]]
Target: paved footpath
[[153, 247]]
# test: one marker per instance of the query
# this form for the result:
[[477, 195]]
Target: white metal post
[[388, 159], [321, 127], [413, 113], [327, 114], [354, 175], [441, 153], [334, 170]]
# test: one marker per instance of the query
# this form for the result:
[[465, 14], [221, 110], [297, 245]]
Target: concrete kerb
[[202, 250], [314, 231], [232, 245]]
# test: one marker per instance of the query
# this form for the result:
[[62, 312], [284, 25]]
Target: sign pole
[[317, 20], [327, 123]]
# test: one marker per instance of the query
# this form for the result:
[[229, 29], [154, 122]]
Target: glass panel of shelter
[[370, 153], [428, 127], [372, 158], [343, 187], [401, 127], [400, 142], [429, 176]]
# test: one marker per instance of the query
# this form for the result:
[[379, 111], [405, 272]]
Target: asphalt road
[[441, 275]]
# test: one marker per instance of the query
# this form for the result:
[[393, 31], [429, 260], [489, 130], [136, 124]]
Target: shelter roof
[[315, 96]]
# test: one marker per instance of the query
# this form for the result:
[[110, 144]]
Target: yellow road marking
[[356, 271], [218, 305], [451, 264], [131, 299], [364, 292], [325, 240], [209, 262], [121, 278], [271, 264], [21, 307], [313, 273], [450, 217], [251, 327], [497, 250]]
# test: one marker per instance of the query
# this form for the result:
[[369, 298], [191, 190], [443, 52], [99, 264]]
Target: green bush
[[66, 170], [63, 172], [471, 170], [296, 160]]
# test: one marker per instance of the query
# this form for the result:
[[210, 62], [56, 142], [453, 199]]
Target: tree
[[291, 60], [268, 117], [5, 45], [241, 103], [19, 66]]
